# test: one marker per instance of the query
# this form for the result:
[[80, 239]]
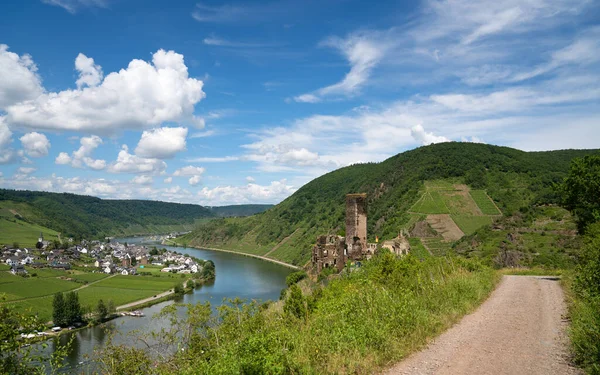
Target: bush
[[294, 277]]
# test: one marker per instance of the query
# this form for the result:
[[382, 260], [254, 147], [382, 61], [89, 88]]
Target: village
[[95, 256]]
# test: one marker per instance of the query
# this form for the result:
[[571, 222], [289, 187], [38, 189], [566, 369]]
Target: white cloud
[[168, 180], [141, 96], [222, 159], [194, 180], [161, 143], [420, 135], [63, 158], [72, 6], [90, 74], [142, 180], [363, 51], [204, 134], [190, 170], [35, 144], [220, 42], [82, 156], [128, 163], [251, 193], [18, 78], [25, 170], [250, 179], [7, 154]]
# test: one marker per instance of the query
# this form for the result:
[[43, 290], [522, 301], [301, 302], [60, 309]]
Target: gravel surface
[[519, 330]]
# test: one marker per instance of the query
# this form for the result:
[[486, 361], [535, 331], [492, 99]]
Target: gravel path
[[518, 330]]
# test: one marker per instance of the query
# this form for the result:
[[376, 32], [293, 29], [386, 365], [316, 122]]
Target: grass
[[24, 233], [359, 323], [90, 296], [23, 288], [469, 223], [417, 249], [437, 246], [89, 277], [138, 283], [484, 202], [430, 203]]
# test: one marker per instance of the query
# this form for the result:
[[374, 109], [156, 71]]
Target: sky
[[218, 103]]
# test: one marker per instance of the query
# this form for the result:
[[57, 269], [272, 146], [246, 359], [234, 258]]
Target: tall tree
[[101, 310], [72, 308], [581, 190], [58, 310]]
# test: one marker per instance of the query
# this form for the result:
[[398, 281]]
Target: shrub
[[294, 277]]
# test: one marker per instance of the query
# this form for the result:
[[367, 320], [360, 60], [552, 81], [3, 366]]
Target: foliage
[[89, 217], [59, 317], [513, 178], [179, 289], [240, 210], [17, 358], [295, 304], [294, 277], [101, 310], [358, 323], [581, 190], [66, 310]]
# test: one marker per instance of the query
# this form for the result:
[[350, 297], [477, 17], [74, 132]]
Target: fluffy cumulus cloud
[[161, 143], [143, 95], [250, 193], [190, 170], [82, 157], [90, 74], [142, 180], [7, 154], [19, 80], [168, 180], [425, 138], [35, 144], [195, 180], [128, 163]]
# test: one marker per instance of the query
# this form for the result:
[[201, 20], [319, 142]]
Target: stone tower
[[356, 225]]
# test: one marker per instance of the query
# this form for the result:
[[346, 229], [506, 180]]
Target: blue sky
[[244, 102]]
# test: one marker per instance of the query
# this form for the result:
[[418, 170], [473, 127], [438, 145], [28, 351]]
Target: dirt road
[[518, 330]]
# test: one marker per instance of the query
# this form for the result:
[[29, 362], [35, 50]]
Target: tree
[[72, 308], [295, 305], [179, 289], [101, 310], [16, 245], [581, 190], [111, 307], [58, 310]]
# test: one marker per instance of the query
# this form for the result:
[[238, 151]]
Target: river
[[237, 276]]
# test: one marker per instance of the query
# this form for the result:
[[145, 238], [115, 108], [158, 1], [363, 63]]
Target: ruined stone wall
[[329, 252], [356, 225]]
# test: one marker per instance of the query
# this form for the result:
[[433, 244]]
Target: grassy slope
[[511, 177], [24, 233]]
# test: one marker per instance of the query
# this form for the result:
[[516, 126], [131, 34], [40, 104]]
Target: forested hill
[[512, 178], [239, 210]]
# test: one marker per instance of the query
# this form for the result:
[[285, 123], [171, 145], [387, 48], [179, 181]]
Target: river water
[[237, 276]]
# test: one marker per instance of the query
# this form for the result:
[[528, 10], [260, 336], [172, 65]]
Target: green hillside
[[89, 217], [511, 178], [239, 210]]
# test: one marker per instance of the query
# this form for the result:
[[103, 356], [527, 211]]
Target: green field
[[89, 277], [483, 201], [430, 203], [437, 246], [34, 287], [469, 224], [417, 249], [139, 282], [23, 233]]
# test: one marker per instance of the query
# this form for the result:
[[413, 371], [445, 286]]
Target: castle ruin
[[334, 251]]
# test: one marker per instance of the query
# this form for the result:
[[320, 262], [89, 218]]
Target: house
[[194, 268], [83, 251], [107, 270], [12, 261], [97, 263], [18, 269], [125, 272]]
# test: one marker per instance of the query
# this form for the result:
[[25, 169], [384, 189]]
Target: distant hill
[[511, 178], [89, 217], [239, 210]]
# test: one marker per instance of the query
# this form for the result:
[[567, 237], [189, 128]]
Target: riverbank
[[246, 254]]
